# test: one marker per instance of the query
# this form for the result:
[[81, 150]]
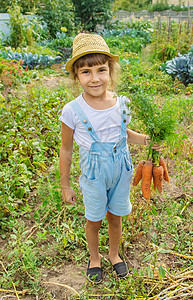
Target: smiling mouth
[[95, 87]]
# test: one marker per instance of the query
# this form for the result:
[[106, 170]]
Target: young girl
[[97, 120]]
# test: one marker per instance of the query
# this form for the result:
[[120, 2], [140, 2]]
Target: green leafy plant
[[23, 154], [153, 256], [128, 30], [181, 67], [166, 52], [18, 26], [125, 44], [159, 122]]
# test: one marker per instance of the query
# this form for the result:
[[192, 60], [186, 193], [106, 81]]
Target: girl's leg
[[115, 232], [92, 236]]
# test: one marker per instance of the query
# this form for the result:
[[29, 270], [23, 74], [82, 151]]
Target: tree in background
[[131, 5], [57, 14], [25, 5], [160, 5], [90, 13]]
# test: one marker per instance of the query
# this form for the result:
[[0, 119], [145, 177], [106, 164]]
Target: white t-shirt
[[106, 122]]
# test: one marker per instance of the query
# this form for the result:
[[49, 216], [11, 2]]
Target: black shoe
[[94, 274], [121, 269]]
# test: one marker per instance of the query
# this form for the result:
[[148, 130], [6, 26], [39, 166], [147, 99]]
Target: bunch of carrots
[[146, 171], [160, 124]]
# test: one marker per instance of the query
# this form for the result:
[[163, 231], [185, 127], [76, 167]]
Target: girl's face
[[94, 80]]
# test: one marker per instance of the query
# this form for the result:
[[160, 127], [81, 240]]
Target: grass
[[39, 234]]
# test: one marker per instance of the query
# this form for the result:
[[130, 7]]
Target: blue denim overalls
[[106, 172]]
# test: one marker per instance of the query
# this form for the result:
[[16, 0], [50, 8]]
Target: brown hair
[[94, 59]]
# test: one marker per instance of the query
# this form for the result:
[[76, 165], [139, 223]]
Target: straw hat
[[85, 43]]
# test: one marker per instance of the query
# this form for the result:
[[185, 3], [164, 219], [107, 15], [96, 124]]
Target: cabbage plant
[[181, 67], [29, 60]]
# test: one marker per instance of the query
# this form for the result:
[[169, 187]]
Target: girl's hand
[[68, 195], [147, 141]]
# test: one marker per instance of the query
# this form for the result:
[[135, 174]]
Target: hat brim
[[70, 62]]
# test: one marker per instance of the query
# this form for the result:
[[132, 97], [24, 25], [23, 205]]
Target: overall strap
[[122, 100], [85, 121]]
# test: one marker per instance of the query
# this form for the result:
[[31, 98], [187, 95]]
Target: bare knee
[[95, 226], [114, 220]]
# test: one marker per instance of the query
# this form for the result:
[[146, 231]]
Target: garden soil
[[72, 275]]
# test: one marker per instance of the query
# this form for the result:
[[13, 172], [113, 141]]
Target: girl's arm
[[137, 138], [66, 149], [140, 139]]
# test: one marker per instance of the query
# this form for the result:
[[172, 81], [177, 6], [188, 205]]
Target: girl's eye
[[85, 72], [102, 70]]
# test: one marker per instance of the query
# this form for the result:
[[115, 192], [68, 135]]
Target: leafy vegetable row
[[31, 60]]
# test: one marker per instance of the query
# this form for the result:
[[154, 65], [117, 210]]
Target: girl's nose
[[94, 76]]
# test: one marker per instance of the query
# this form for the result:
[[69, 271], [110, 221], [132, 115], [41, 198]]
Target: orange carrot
[[138, 174], [158, 177], [146, 178], [154, 184], [163, 164]]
